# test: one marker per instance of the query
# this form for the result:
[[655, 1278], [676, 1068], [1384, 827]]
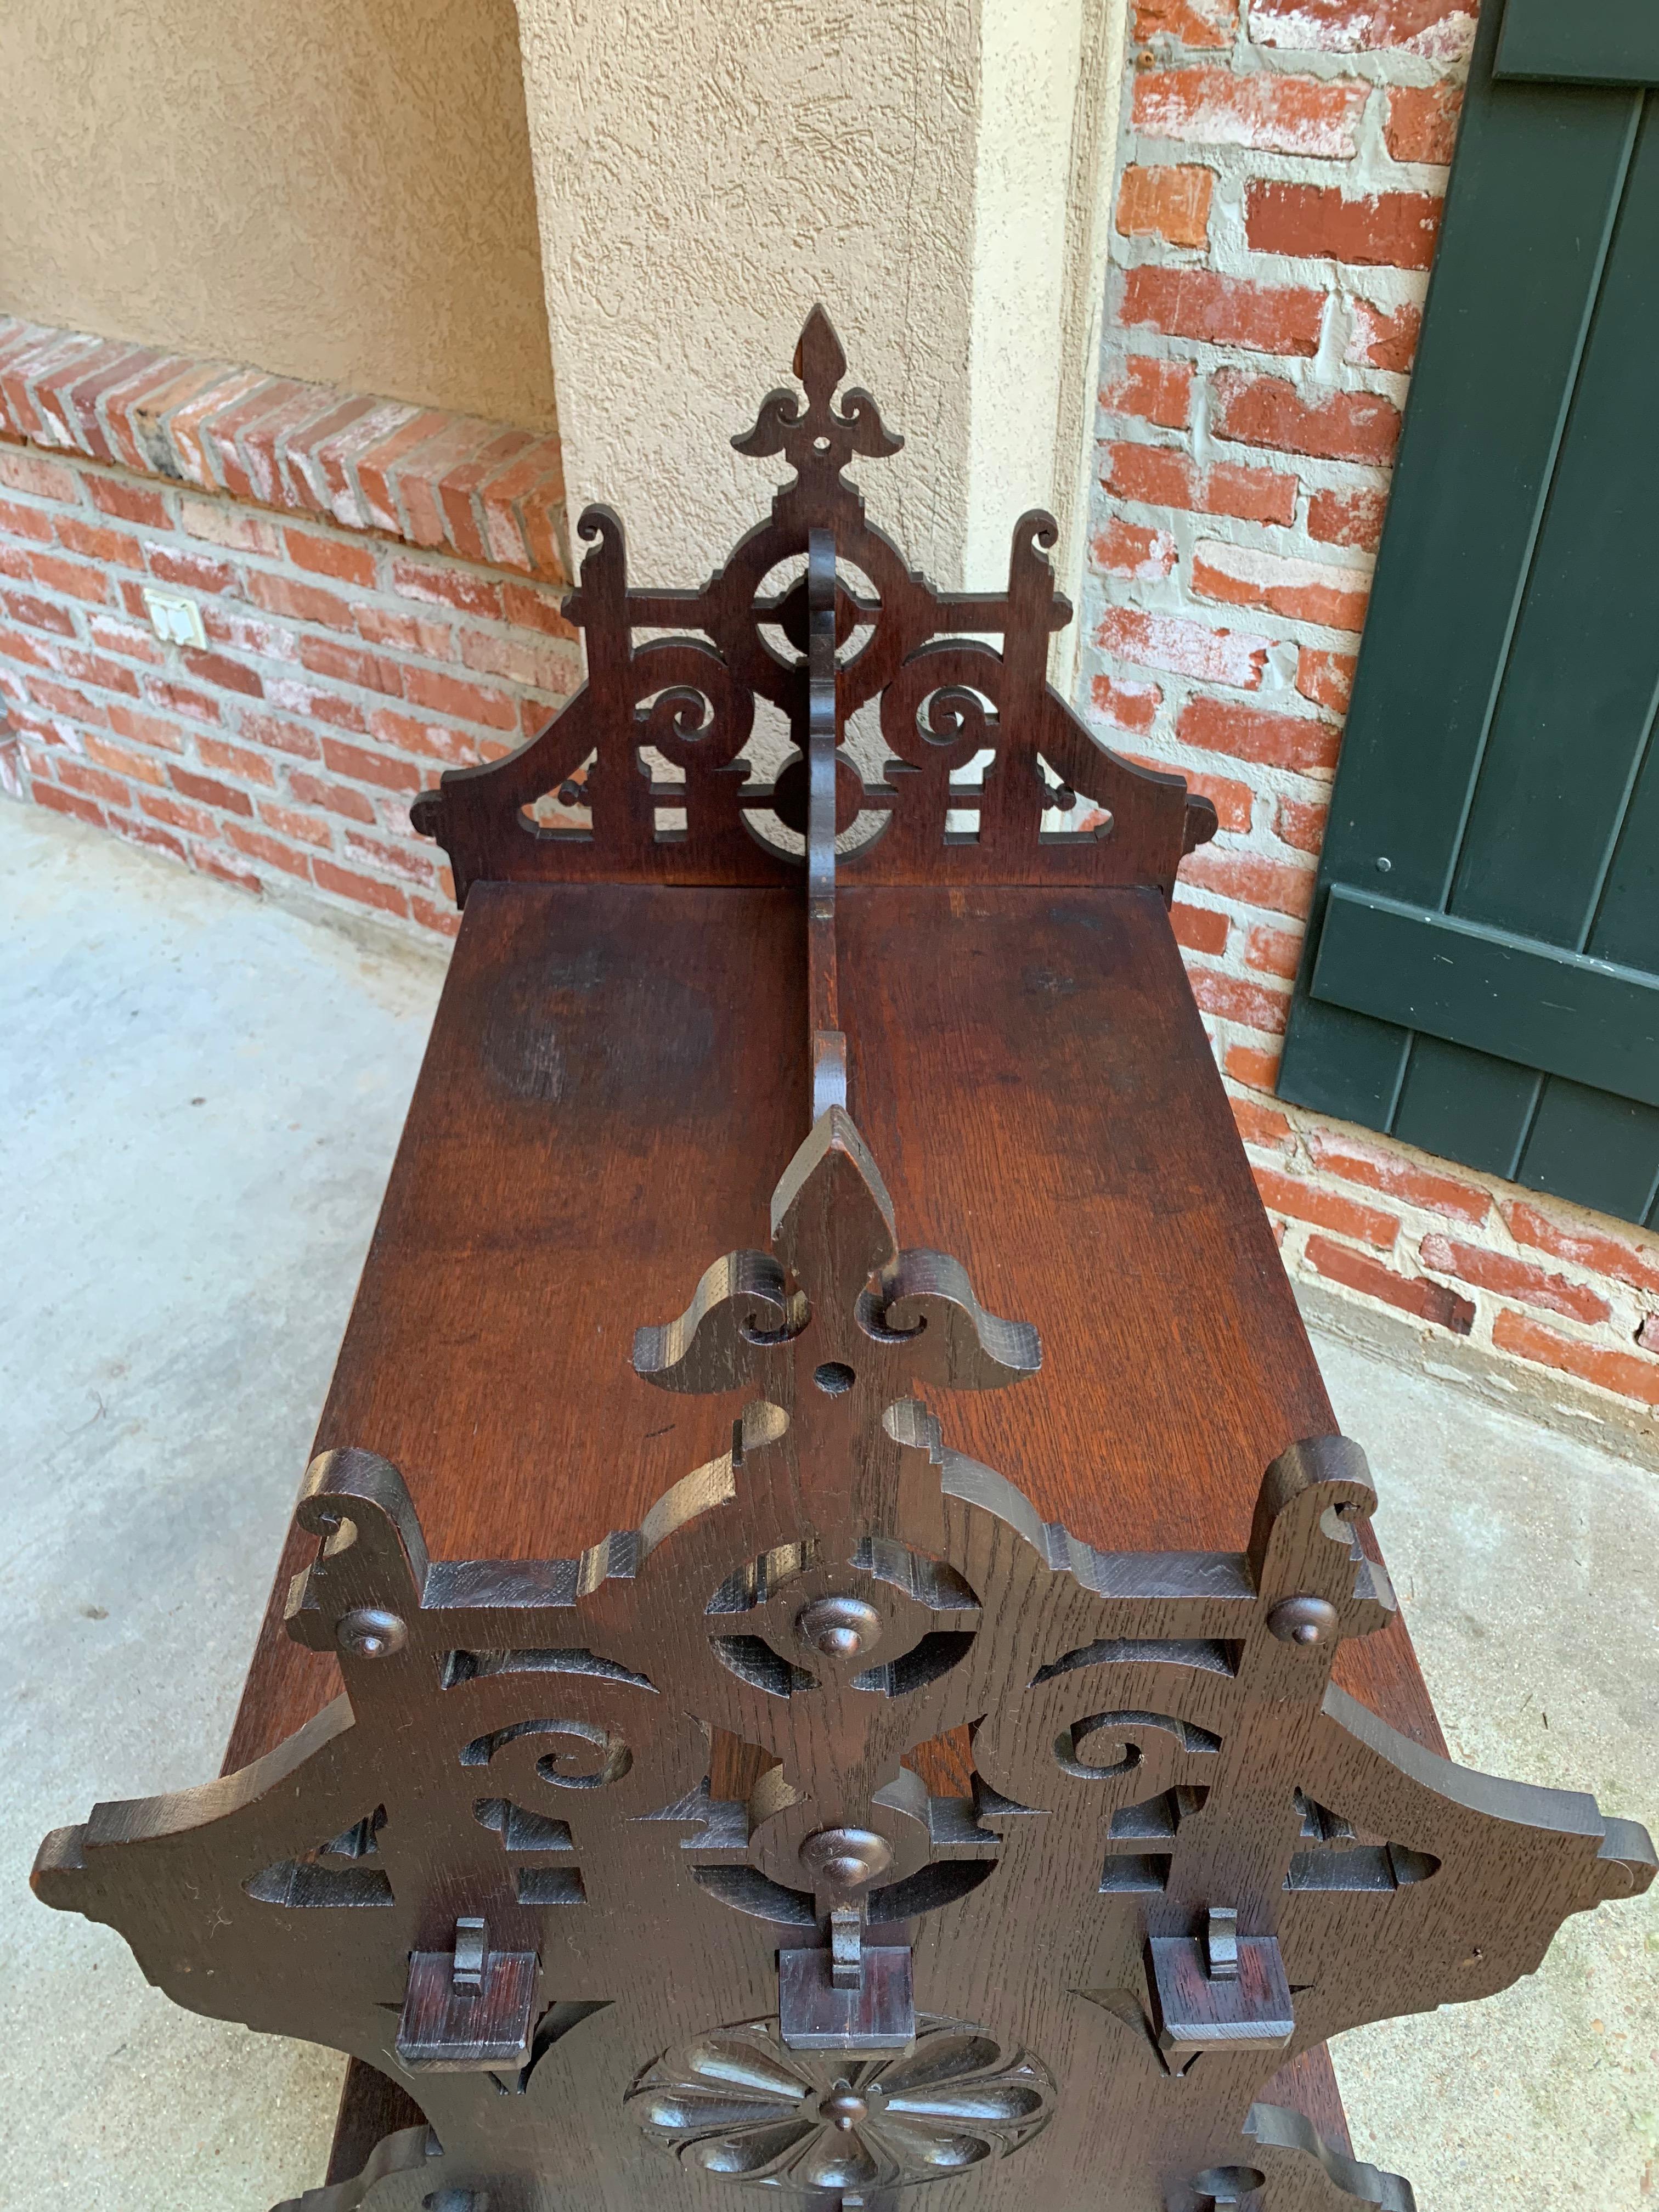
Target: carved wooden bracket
[[989, 777], [494, 1867]]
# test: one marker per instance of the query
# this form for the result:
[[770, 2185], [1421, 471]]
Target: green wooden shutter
[[1481, 973]]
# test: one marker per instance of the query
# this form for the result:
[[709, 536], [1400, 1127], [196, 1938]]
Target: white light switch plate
[[175, 621]]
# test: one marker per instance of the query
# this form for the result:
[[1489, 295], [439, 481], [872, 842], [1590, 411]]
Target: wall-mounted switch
[[175, 621]]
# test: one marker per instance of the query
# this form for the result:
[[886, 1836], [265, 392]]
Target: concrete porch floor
[[199, 1095]]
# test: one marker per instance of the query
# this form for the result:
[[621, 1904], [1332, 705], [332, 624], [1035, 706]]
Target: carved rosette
[[737, 2103]]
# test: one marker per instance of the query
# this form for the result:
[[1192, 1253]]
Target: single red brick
[[140, 768], [1319, 222], [26, 652], [1189, 22], [38, 613], [363, 888], [218, 668], [38, 478], [1348, 518], [430, 740], [1513, 1279], [532, 607], [1249, 1063], [76, 578], [1383, 337], [260, 847], [1251, 880], [129, 502], [1422, 122], [1383, 1170], [407, 633], [1199, 928], [209, 792], [1169, 202], [527, 660], [350, 664], [290, 822], [175, 565], [1275, 951], [146, 729], [1303, 742], [1301, 591], [1202, 303], [119, 549], [444, 920], [223, 522], [1273, 113], [179, 814], [1585, 1245], [279, 735], [447, 587], [377, 463], [247, 634], [1128, 549], [1262, 1126], [92, 782], [467, 702], [312, 701], [1300, 823], [1234, 803], [212, 862], [1156, 391], [1441, 30], [395, 859], [1236, 1000], [338, 557], [1164, 476], [1339, 426], [236, 760], [335, 797], [182, 699], [281, 595], [1626, 1374], [1325, 678], [68, 802], [97, 669], [115, 636], [35, 523], [1414, 1294], [66, 699], [370, 767], [1184, 648], [1126, 706], [1328, 1209], [146, 833]]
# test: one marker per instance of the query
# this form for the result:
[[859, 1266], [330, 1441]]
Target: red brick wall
[[377, 584], [1279, 195]]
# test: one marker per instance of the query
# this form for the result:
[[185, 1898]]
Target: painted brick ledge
[[489, 492]]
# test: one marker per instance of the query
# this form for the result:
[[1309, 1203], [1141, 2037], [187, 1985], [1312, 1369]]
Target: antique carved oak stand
[[962, 1769]]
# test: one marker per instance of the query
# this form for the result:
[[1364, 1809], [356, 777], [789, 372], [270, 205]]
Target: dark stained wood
[[593, 1041]]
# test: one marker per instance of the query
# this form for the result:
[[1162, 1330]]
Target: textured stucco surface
[[340, 191], [910, 162]]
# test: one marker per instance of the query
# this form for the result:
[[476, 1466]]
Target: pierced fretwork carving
[[1046, 803], [567, 1921]]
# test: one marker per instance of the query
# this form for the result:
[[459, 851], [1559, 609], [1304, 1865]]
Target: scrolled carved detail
[[691, 697]]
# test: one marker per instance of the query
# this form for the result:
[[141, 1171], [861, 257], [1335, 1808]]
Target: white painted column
[[937, 172]]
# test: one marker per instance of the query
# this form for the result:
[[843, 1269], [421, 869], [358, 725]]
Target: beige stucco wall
[[339, 190], [926, 168]]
